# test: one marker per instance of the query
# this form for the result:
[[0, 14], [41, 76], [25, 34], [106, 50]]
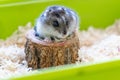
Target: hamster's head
[[58, 21]]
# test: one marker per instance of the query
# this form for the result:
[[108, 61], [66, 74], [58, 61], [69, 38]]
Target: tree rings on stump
[[41, 54]]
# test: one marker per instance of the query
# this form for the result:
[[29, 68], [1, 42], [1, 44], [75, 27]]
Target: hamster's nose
[[64, 32]]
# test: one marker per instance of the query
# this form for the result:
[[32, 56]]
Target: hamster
[[56, 23]]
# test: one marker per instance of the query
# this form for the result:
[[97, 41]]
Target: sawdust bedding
[[96, 45]]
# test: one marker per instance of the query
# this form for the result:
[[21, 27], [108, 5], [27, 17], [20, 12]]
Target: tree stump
[[41, 54]]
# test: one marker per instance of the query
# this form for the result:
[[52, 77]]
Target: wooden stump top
[[31, 36]]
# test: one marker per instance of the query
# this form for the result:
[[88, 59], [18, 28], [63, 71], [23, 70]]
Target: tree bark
[[40, 54]]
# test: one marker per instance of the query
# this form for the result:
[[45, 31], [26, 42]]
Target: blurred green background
[[98, 13]]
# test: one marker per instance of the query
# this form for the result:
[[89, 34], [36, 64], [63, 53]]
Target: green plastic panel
[[94, 71]]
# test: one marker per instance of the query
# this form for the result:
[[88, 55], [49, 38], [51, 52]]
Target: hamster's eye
[[55, 24]]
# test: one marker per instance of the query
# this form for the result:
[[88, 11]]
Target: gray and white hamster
[[56, 23]]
